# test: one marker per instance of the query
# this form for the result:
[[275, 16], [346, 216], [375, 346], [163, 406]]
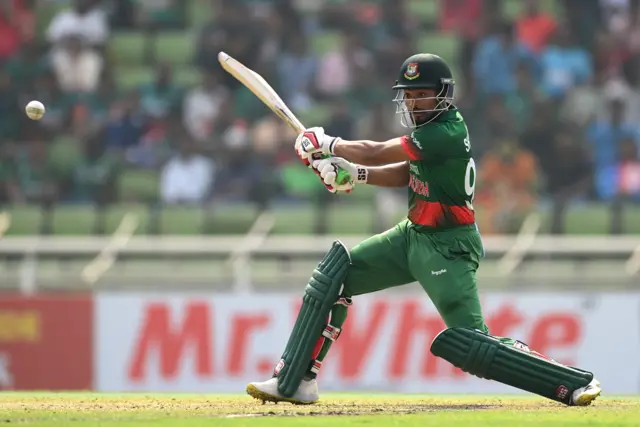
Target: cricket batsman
[[438, 245]]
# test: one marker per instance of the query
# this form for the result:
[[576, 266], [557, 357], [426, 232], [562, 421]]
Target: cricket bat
[[260, 88]]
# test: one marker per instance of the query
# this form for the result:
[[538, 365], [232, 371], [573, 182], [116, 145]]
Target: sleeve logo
[[415, 141]]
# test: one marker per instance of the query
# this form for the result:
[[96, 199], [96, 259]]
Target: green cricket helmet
[[423, 71]]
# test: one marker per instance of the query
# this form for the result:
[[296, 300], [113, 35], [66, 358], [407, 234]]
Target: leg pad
[[321, 294], [486, 356]]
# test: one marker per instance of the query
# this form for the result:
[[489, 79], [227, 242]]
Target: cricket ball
[[35, 110]]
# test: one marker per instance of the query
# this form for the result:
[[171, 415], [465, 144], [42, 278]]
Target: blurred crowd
[[551, 99]]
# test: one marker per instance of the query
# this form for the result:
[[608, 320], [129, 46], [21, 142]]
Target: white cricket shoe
[[267, 391], [587, 394]]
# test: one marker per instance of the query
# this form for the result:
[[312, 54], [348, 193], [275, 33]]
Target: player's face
[[420, 102], [417, 106]]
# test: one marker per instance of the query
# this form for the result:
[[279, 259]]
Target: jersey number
[[470, 180]]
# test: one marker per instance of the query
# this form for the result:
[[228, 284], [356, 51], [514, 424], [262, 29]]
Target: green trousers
[[444, 263]]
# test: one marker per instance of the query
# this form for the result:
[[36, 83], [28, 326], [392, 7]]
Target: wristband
[[362, 175], [332, 145]]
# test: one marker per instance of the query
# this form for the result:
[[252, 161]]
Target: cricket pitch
[[350, 410]]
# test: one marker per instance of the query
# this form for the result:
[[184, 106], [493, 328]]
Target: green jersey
[[442, 174]]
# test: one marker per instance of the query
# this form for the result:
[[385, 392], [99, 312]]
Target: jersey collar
[[449, 115]]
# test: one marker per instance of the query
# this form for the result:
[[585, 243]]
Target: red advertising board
[[46, 342]]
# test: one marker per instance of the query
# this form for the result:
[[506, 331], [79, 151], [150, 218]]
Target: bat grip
[[343, 176]]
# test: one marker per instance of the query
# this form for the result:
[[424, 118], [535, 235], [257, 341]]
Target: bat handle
[[343, 176]]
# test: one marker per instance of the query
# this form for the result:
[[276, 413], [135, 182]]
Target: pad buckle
[[331, 332], [315, 367]]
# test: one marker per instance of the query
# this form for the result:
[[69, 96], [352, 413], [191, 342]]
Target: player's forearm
[[396, 175], [367, 153]]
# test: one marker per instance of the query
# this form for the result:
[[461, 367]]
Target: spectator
[[24, 18], [611, 53], [84, 20], [386, 59], [495, 118], [339, 67], [297, 71], [275, 35], [341, 122], [616, 15], [461, 17], [202, 106], [522, 101], [496, 60], [6, 151], [535, 27], [33, 179], [509, 177], [269, 136], [10, 36], [397, 22], [538, 138], [10, 117], [161, 97], [620, 179], [605, 134], [568, 173], [25, 66], [154, 16], [187, 177], [631, 88], [125, 126], [464, 18], [78, 68], [238, 174], [581, 18], [154, 147], [232, 31], [160, 14], [94, 174], [564, 65], [634, 34], [583, 103], [381, 124], [621, 183]]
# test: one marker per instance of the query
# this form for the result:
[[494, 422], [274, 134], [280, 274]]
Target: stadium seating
[[349, 215], [344, 218]]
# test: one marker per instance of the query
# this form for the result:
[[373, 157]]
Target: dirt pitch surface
[[139, 410]]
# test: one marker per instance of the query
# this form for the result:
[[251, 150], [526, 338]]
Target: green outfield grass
[[139, 410]]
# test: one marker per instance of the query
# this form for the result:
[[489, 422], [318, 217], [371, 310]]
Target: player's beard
[[423, 117]]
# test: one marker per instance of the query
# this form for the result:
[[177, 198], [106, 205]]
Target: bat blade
[[263, 90], [260, 88]]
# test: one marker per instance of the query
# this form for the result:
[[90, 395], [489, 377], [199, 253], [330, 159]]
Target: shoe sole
[[254, 392], [586, 398]]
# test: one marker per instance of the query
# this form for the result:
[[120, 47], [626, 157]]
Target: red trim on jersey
[[432, 214], [413, 151]]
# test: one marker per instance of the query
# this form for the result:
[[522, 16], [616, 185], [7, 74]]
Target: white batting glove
[[328, 171], [312, 141]]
